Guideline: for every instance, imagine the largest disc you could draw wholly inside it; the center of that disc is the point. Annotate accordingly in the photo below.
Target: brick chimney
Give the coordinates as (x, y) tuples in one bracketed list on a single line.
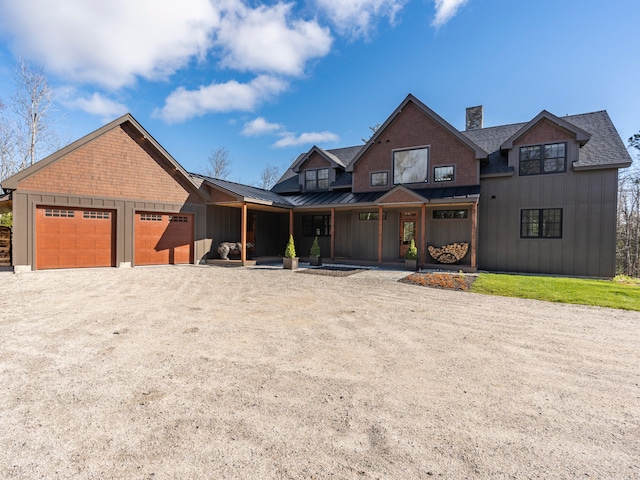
[(474, 118)]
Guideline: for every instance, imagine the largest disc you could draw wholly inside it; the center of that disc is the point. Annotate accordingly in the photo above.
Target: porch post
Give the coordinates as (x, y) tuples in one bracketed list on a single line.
[(243, 234), (290, 222), (423, 235), (380, 234), (333, 236), (474, 233)]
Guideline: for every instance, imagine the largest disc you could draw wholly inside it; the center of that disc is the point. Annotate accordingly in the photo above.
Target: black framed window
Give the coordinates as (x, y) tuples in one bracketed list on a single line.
[(541, 223), (319, 225), (450, 214), (371, 216), (379, 179), (443, 174), (541, 159), (316, 179)]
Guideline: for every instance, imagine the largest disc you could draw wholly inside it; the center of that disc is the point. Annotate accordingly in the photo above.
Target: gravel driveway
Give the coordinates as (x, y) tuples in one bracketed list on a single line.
[(209, 372)]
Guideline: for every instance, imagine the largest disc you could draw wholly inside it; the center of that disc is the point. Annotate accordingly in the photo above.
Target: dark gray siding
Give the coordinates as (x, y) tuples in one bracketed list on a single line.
[(272, 233), (223, 225), (587, 246), (342, 231), (446, 231), (24, 210)]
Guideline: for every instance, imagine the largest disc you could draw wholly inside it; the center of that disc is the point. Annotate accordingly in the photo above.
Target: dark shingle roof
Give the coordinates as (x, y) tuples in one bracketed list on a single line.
[(604, 148), (343, 180)]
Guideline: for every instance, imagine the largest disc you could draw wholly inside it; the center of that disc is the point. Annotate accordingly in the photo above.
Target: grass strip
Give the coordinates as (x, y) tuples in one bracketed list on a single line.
[(601, 293)]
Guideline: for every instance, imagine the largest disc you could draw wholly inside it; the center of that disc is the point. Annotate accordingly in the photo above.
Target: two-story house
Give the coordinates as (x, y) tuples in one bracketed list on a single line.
[(536, 197)]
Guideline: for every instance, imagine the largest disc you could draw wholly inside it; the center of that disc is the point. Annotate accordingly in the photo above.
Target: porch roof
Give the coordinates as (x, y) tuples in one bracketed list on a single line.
[(326, 199), (247, 192)]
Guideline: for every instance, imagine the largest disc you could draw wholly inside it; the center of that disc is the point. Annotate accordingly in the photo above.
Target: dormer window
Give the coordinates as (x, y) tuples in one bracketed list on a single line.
[(316, 179), (411, 165), (541, 159)]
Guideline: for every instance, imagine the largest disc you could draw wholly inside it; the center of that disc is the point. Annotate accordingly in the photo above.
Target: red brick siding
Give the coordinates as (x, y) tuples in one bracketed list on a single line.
[(412, 128), (544, 132), (112, 165)]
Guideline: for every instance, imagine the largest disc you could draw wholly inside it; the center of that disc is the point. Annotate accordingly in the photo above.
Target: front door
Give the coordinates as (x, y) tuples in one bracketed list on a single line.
[(407, 230)]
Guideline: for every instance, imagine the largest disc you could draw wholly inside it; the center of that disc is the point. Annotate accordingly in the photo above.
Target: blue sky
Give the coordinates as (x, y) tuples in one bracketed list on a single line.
[(269, 80)]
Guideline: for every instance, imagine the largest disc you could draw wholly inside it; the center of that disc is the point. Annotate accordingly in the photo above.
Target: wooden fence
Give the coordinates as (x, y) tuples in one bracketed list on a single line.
[(5, 246)]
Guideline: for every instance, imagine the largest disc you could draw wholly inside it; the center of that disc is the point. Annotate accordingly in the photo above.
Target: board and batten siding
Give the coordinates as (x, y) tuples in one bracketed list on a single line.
[(24, 218), (587, 247)]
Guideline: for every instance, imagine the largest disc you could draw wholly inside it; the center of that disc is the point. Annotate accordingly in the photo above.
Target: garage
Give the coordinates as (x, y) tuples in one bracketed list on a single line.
[(162, 238), (74, 237)]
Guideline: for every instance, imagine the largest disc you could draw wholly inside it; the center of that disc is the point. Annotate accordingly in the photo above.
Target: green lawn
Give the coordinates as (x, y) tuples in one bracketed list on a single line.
[(602, 293)]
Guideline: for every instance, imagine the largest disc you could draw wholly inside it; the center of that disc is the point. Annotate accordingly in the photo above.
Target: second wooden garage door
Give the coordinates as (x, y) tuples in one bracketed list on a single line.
[(162, 238)]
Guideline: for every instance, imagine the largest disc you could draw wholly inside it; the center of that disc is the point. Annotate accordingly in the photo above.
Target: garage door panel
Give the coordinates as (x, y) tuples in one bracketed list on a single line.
[(163, 238), (73, 237)]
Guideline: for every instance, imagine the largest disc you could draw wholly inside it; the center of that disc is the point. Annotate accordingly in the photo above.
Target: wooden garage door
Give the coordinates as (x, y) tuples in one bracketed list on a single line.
[(73, 237), (162, 238)]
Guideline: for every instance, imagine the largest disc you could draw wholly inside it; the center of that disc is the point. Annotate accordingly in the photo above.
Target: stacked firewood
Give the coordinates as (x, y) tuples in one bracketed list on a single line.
[(452, 253), (5, 246)]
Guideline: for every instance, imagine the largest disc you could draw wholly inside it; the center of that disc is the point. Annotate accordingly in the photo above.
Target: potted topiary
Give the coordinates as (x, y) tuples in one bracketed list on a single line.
[(411, 257), (290, 261), (314, 254)]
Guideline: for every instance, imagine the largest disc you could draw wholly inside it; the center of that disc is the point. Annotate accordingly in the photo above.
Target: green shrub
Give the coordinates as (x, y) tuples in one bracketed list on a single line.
[(315, 248), (290, 251), (6, 219), (412, 253)]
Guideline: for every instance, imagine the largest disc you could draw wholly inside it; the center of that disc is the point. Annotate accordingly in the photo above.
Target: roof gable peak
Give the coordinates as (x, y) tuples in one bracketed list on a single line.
[(582, 136), (479, 152)]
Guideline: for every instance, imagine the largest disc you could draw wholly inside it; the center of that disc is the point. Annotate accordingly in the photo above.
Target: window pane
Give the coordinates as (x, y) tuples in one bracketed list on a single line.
[(552, 223), (410, 166), (323, 173), (379, 179), (554, 158), (443, 174), (529, 223)]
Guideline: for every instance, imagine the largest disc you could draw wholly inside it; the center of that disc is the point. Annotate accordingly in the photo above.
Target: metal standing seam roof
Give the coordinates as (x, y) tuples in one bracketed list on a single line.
[(323, 199), (246, 191)]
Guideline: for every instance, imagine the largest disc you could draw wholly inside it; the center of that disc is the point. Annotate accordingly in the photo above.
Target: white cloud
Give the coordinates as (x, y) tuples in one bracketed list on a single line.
[(259, 126), (110, 43), (293, 140), (356, 18), (264, 39), (183, 104), (96, 104), (445, 11)]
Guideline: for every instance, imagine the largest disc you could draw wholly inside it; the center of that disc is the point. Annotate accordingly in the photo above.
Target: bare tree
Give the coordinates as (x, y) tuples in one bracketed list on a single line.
[(373, 129), (218, 164), (628, 242), (32, 104), (269, 176), (8, 164)]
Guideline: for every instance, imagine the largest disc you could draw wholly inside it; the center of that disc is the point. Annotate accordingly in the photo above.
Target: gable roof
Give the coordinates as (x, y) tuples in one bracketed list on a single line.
[(582, 137), (479, 152), (605, 148), (11, 183), (288, 182), (333, 160), (246, 193)]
